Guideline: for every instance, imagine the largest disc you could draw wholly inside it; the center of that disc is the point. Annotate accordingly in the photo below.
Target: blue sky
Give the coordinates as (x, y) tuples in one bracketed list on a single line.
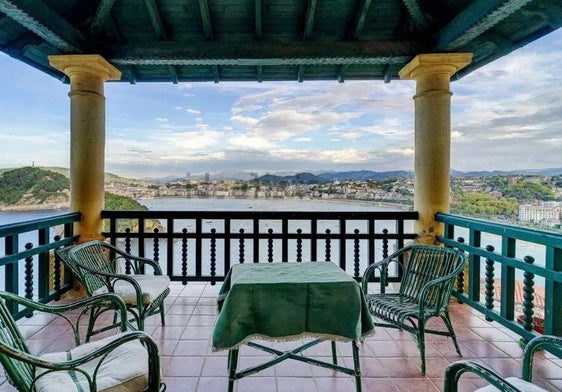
[(506, 115)]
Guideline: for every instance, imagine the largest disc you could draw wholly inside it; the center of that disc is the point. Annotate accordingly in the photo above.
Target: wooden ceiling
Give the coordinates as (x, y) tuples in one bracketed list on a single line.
[(265, 40)]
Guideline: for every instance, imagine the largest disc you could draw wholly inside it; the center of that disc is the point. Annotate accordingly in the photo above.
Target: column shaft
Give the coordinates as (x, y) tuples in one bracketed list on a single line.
[(432, 165), (87, 74)]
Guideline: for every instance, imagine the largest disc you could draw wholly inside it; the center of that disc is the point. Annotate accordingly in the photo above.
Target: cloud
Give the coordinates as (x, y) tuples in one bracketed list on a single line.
[(193, 111)]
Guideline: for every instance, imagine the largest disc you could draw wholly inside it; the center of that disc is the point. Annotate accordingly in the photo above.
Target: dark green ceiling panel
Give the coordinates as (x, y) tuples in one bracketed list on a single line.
[(261, 40)]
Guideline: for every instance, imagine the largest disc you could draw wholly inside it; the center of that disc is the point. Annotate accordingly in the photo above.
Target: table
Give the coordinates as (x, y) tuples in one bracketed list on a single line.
[(289, 301)]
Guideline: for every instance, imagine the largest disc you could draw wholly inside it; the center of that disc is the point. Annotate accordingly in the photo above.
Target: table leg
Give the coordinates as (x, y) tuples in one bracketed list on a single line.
[(357, 366), (334, 354), (232, 364)]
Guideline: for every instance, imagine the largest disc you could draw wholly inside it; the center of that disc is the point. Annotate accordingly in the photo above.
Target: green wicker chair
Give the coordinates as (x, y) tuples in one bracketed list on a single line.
[(497, 383), (425, 289), (94, 366), (102, 268)]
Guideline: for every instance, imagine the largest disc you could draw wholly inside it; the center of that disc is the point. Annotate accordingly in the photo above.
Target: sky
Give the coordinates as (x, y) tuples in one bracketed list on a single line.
[(506, 115)]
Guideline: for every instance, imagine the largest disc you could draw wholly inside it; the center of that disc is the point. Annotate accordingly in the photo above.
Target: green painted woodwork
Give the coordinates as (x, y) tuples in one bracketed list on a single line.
[(266, 40), (508, 263)]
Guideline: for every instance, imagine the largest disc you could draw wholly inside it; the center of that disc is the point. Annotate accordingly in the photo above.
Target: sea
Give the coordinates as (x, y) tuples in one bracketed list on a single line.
[(210, 204)]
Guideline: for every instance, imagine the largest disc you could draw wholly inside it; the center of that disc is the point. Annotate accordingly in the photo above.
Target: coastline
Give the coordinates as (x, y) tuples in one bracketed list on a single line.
[(60, 207)]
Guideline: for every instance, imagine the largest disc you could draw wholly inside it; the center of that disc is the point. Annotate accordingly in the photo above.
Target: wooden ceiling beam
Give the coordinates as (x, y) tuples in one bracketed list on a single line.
[(206, 19), (156, 20), (475, 20), (102, 13), (265, 53), (417, 15), (309, 22), (361, 17), (46, 23), (258, 19)]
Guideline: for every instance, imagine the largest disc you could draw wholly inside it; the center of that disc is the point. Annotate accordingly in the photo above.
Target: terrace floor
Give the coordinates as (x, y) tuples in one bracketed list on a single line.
[(389, 359)]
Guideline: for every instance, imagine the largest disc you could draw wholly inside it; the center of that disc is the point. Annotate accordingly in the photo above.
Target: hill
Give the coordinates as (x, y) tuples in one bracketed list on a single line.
[(33, 188)]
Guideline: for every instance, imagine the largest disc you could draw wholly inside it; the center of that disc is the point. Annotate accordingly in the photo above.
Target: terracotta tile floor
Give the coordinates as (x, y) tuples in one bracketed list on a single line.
[(389, 359)]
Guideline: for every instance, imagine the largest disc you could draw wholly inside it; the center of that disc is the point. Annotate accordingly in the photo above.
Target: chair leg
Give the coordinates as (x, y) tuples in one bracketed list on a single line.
[(421, 344), (449, 325)]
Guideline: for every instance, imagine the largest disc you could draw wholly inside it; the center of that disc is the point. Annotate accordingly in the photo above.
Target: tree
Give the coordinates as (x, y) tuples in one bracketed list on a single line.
[(527, 191)]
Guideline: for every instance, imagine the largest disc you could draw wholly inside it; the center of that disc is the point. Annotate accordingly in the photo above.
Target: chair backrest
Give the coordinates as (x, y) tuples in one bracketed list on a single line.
[(63, 255), (92, 256), (19, 372), (427, 263)]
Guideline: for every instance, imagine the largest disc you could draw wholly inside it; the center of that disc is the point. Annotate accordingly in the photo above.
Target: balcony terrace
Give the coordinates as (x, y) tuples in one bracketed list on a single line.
[(389, 359)]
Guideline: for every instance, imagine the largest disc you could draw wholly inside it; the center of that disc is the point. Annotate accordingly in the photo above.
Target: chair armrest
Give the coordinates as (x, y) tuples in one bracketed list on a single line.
[(137, 263), (540, 342), (381, 265), (146, 340), (454, 371), (108, 300)]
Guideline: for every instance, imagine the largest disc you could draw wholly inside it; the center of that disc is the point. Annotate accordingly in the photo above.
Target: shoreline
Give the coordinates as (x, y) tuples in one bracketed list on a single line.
[(59, 207)]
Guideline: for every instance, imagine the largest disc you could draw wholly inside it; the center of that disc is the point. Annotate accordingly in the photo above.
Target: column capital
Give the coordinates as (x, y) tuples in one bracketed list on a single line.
[(93, 64), (435, 63)]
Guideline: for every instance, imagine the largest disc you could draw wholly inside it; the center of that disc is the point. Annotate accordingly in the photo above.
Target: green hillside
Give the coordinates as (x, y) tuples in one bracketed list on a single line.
[(31, 185), (51, 187)]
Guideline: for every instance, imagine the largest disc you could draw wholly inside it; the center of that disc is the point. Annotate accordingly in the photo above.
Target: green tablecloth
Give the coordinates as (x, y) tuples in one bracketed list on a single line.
[(283, 301)]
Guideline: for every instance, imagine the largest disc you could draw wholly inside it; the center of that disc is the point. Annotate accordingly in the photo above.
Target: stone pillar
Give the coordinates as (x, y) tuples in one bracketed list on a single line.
[(432, 167), (87, 74)]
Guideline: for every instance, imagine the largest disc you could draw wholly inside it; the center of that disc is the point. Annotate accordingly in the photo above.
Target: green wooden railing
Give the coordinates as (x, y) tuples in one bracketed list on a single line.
[(26, 258), (524, 265)]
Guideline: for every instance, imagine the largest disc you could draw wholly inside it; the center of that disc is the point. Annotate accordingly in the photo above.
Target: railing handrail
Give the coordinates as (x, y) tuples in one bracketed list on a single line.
[(509, 263), (36, 256), (254, 232)]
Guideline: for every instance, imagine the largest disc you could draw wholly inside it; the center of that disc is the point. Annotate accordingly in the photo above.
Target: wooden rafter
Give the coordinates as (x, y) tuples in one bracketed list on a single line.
[(309, 22), (46, 23), (206, 19), (361, 17), (416, 14), (156, 20), (476, 19), (102, 13), (258, 19)]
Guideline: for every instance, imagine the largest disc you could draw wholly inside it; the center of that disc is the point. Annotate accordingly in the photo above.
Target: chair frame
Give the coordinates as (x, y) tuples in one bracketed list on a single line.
[(20, 364), (454, 371), (424, 293), (112, 260)]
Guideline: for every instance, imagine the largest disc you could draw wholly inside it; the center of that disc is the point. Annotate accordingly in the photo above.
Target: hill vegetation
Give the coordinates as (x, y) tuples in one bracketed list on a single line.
[(32, 186)]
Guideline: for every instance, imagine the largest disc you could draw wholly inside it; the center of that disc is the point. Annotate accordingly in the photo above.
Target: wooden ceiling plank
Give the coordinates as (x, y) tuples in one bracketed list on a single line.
[(46, 23), (156, 20), (259, 19), (475, 20), (416, 14), (206, 19), (101, 15), (361, 17), (309, 22)]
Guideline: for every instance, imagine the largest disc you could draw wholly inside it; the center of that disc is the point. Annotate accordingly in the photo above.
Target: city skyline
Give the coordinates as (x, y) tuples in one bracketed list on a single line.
[(505, 116)]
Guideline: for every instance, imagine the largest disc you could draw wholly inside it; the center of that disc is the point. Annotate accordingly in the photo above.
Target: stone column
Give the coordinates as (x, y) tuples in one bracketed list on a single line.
[(432, 167), (87, 74)]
